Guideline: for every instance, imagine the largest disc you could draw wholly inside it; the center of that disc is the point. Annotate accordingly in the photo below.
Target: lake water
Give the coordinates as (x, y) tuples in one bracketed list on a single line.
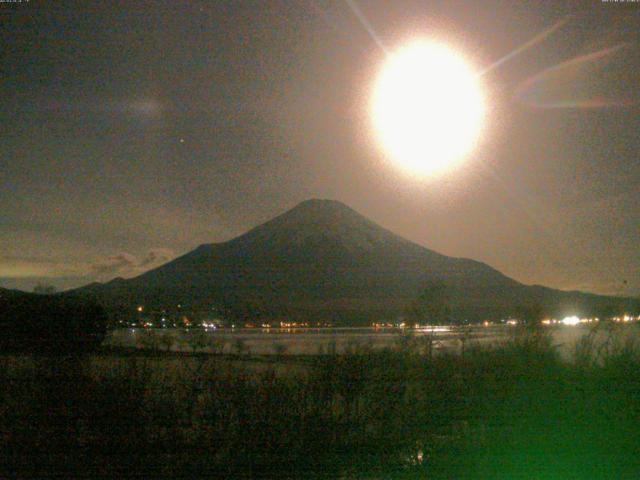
[(313, 341)]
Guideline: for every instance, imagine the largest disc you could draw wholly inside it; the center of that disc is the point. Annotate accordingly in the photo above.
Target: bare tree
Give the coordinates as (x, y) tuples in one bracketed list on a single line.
[(167, 340), (280, 349)]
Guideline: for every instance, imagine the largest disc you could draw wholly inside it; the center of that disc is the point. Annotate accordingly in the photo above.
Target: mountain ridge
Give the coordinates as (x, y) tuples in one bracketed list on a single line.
[(322, 259)]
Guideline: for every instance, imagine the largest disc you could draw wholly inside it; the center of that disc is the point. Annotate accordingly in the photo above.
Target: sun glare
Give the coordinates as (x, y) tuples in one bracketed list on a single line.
[(427, 108)]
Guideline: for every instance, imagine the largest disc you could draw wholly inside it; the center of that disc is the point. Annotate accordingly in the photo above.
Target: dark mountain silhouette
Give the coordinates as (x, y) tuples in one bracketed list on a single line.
[(51, 324), (324, 261), (8, 294)]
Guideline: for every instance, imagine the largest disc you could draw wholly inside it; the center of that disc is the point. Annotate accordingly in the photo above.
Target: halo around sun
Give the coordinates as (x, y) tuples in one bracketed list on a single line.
[(427, 108)]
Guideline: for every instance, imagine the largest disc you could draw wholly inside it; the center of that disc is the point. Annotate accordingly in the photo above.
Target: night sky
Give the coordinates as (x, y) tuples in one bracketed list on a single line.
[(134, 131)]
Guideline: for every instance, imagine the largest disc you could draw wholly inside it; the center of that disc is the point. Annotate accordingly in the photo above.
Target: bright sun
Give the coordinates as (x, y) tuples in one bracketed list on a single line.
[(427, 108)]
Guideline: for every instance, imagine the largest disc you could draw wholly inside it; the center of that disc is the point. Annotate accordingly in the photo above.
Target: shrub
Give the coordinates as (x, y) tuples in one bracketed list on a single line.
[(217, 345), (240, 346), (167, 340), (198, 340), (280, 349), (148, 339)]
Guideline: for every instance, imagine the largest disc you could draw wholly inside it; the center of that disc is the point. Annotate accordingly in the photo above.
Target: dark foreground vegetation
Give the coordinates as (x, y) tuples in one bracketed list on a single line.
[(514, 411)]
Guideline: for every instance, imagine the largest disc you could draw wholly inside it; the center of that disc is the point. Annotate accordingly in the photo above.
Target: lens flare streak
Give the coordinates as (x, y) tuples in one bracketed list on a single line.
[(567, 78), (526, 46), (365, 23)]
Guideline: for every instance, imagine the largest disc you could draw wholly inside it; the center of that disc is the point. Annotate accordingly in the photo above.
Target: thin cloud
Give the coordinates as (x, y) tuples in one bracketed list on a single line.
[(114, 265), (126, 265), (156, 256)]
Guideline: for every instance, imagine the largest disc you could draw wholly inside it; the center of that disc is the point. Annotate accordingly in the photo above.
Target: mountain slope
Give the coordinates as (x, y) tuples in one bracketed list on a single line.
[(323, 260)]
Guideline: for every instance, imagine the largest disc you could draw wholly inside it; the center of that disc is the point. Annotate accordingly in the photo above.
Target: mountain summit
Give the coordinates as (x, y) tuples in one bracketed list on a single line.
[(322, 260)]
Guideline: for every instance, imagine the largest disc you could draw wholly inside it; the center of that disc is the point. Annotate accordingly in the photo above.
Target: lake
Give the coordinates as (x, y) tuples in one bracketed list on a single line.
[(314, 341)]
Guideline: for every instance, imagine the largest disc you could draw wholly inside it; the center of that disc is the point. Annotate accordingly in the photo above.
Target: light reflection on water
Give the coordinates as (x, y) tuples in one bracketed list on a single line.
[(313, 341)]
